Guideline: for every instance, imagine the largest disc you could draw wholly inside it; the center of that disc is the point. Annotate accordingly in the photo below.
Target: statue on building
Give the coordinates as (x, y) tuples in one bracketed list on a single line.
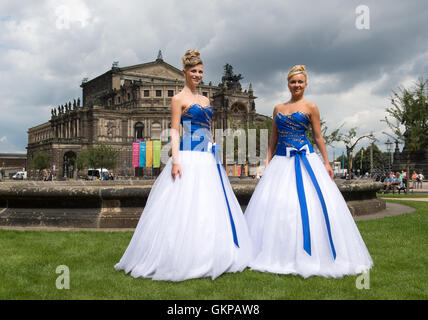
[(159, 58), (231, 80)]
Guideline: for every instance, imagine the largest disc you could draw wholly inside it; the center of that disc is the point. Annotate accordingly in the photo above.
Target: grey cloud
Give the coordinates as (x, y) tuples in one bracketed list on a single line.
[(262, 40)]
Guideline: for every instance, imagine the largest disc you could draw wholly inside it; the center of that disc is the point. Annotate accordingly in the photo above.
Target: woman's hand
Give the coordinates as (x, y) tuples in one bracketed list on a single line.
[(176, 169), (329, 170)]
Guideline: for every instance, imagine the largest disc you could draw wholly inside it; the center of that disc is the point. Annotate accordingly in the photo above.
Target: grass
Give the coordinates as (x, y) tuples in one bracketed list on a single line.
[(402, 195), (28, 260)]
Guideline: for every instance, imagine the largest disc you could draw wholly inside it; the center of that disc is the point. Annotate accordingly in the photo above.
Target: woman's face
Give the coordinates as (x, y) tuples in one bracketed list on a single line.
[(194, 74), (297, 84)]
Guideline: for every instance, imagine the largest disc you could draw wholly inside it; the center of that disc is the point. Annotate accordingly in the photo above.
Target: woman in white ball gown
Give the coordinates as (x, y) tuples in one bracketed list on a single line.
[(298, 219), (192, 225)]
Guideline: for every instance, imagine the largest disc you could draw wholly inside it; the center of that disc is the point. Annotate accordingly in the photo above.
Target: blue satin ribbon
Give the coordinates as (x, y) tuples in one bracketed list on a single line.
[(215, 150), (301, 155)]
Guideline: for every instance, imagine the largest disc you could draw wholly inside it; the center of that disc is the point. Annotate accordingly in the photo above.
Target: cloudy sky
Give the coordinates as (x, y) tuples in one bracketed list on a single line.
[(48, 47)]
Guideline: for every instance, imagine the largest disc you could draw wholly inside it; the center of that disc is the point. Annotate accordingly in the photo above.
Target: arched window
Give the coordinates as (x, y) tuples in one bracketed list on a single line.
[(156, 131), (139, 130), (69, 161)]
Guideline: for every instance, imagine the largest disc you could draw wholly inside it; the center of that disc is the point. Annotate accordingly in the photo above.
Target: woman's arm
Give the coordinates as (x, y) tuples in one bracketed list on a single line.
[(319, 140), (175, 136), (273, 138)]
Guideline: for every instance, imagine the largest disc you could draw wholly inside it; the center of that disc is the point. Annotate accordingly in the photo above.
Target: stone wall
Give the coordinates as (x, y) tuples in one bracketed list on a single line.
[(119, 204)]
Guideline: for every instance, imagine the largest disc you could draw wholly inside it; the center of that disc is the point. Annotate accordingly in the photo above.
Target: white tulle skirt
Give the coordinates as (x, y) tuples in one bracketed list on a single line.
[(275, 224), (184, 231)]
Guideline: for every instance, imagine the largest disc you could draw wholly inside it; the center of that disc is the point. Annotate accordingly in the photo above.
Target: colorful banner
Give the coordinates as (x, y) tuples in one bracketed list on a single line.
[(231, 171), (156, 153), (149, 154), (142, 154), (235, 170), (135, 154)]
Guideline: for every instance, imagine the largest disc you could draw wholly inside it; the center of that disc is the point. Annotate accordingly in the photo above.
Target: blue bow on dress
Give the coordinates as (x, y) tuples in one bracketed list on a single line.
[(300, 155)]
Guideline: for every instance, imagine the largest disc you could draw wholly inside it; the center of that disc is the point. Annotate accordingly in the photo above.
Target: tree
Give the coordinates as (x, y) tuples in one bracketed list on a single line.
[(40, 161), (408, 119), (350, 143), (361, 160), (106, 156), (102, 156), (84, 160), (329, 138), (255, 130)]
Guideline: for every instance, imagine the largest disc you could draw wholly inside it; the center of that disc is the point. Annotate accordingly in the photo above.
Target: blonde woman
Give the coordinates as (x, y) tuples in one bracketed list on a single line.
[(298, 219), (192, 225)]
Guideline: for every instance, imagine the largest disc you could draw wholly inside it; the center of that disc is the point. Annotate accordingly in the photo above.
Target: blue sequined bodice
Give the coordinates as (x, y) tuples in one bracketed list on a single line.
[(196, 122), (292, 131)]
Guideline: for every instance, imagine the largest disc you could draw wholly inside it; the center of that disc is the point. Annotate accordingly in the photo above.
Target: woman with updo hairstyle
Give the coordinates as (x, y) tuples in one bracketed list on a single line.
[(298, 219), (192, 225)]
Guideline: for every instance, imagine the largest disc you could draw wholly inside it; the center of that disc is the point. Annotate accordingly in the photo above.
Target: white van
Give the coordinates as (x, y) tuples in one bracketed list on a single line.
[(20, 175), (94, 174)]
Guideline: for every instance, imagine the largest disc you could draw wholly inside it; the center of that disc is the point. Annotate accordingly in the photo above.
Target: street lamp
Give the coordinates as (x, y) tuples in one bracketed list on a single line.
[(389, 149), (373, 139)]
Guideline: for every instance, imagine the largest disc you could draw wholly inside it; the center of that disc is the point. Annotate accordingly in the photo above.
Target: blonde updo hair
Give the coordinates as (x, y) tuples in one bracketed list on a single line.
[(296, 70), (191, 58)]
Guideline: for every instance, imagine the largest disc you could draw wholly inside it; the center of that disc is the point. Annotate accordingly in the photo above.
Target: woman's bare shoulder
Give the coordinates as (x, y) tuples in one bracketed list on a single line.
[(278, 108), (178, 100), (206, 101)]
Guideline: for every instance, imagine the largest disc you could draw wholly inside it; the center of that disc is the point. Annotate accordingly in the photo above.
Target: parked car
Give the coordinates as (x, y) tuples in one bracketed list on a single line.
[(20, 175), (94, 174)]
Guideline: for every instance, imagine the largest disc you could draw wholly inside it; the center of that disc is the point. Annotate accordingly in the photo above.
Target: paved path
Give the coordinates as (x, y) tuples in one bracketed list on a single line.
[(410, 199), (392, 209)]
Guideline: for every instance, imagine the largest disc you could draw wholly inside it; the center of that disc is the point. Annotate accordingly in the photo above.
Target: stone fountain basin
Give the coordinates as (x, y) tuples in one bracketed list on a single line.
[(119, 203)]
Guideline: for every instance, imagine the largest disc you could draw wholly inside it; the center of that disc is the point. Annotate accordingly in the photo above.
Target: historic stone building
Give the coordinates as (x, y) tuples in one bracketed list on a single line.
[(128, 104), (10, 163)]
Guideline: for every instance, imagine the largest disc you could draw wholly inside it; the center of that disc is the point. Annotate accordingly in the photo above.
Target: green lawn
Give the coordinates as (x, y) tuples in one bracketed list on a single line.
[(28, 261), (403, 195)]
